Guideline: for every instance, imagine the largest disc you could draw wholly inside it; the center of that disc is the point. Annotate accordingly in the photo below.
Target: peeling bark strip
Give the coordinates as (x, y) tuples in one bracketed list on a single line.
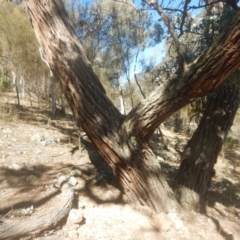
[(45, 222), (123, 141)]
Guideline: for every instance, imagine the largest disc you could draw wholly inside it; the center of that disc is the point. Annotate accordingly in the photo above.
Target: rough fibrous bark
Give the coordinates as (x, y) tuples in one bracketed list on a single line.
[(201, 152), (123, 140)]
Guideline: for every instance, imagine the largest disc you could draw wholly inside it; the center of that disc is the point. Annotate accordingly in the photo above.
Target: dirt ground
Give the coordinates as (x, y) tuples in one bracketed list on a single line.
[(35, 150)]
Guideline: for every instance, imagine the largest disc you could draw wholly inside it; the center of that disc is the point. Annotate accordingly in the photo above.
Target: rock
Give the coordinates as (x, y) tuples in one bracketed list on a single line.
[(162, 222), (29, 167), (72, 234), (81, 184), (75, 217), (160, 159), (176, 220), (16, 182), (5, 155), (168, 155), (74, 226), (72, 181), (15, 167), (99, 178), (37, 137), (7, 132), (38, 152), (32, 179), (26, 211), (147, 211), (81, 205), (75, 172), (56, 140), (50, 140)]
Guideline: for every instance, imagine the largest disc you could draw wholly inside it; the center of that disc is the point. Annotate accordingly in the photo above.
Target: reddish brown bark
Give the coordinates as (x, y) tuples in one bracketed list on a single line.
[(123, 141)]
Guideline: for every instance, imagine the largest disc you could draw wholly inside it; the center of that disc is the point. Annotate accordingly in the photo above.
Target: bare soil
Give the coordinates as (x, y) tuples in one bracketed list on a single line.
[(35, 150)]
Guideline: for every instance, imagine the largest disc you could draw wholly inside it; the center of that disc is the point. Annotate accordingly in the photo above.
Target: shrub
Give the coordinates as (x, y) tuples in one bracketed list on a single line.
[(5, 84), (231, 142)]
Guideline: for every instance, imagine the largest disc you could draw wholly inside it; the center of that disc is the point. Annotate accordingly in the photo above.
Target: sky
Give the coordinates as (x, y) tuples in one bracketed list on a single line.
[(158, 52)]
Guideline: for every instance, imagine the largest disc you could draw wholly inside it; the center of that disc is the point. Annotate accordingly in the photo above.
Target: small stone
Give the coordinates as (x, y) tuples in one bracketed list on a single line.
[(38, 152), (81, 184), (75, 172), (7, 132), (99, 178), (44, 143), (72, 234), (162, 222), (72, 181), (32, 179), (29, 167), (37, 138), (74, 226), (75, 217), (26, 211), (81, 205), (160, 159), (15, 181), (5, 155), (147, 211), (15, 167)]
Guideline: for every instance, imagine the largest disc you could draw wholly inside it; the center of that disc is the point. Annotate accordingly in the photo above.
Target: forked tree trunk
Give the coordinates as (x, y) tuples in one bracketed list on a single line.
[(202, 150), (123, 140), (15, 84)]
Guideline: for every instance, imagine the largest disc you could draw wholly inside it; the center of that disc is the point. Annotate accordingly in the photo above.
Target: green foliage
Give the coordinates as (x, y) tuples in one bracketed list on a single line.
[(157, 34), (5, 84), (19, 54), (114, 32), (231, 142), (211, 26)]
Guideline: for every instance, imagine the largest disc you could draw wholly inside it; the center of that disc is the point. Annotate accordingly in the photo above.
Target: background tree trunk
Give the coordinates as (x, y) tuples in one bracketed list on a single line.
[(52, 91), (202, 150)]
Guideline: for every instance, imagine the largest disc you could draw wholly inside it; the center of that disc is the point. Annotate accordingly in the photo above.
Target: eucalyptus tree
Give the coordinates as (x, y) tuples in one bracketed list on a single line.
[(122, 140), (18, 50)]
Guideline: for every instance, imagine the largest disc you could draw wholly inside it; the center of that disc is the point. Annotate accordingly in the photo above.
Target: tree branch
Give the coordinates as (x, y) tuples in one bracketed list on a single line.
[(167, 22), (204, 75), (184, 15), (205, 5)]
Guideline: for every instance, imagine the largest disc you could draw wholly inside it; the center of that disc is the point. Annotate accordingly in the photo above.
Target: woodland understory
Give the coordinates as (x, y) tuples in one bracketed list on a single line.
[(199, 76)]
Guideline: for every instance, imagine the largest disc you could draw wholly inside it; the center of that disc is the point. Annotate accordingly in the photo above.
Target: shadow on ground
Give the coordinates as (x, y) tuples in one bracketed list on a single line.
[(35, 185), (96, 173)]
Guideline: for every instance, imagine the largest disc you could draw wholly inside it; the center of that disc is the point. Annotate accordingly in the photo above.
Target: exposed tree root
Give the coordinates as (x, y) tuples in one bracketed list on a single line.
[(45, 222)]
